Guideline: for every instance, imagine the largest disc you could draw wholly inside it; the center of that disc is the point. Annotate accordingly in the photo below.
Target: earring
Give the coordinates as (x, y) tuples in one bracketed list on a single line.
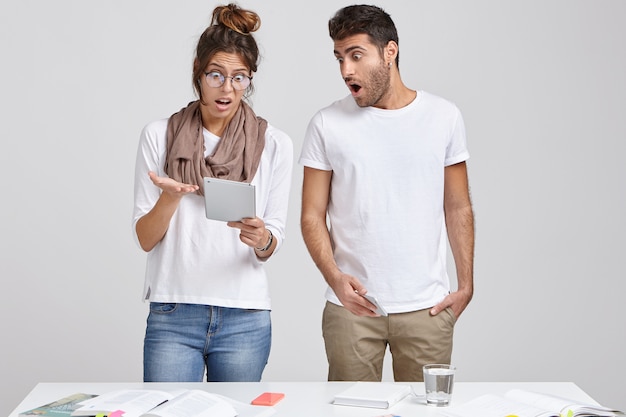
[(390, 65)]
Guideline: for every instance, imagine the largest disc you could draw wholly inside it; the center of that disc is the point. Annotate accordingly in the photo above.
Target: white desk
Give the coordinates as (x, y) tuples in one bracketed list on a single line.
[(305, 399)]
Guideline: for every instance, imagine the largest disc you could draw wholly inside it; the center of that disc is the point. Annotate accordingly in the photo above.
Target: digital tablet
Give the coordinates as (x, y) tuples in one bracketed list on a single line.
[(227, 200)]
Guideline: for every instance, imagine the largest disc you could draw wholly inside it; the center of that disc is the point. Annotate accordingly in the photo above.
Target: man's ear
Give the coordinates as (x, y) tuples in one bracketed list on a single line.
[(391, 51)]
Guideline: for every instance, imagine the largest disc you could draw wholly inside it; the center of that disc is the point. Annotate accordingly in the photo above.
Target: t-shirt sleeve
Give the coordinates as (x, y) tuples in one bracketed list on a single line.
[(275, 213), (457, 151), (313, 154), (148, 158)]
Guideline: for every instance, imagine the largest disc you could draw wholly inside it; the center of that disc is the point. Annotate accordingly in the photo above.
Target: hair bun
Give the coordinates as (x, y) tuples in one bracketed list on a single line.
[(233, 17)]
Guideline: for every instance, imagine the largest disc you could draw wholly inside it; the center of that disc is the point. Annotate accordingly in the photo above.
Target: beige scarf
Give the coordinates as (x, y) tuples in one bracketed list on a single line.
[(236, 156)]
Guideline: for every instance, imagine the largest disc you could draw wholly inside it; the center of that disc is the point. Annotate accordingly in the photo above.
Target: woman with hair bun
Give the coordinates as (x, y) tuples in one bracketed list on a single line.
[(205, 280)]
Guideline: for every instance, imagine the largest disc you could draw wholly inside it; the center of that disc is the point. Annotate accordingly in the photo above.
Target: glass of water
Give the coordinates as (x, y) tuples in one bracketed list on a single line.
[(438, 381)]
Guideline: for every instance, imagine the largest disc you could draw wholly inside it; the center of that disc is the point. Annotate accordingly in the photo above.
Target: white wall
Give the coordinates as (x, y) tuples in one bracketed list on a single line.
[(541, 85)]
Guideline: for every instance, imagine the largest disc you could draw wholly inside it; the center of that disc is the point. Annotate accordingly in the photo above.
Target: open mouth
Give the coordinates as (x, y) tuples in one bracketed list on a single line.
[(352, 85), (223, 101)]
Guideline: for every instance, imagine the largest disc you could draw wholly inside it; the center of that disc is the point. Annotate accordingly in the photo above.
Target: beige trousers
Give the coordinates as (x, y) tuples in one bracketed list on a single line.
[(355, 346)]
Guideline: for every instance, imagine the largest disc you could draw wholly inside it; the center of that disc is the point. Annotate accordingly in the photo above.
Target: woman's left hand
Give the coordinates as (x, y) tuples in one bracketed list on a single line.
[(252, 232)]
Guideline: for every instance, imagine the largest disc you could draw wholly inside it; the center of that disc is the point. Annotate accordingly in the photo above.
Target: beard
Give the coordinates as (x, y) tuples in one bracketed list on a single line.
[(376, 86)]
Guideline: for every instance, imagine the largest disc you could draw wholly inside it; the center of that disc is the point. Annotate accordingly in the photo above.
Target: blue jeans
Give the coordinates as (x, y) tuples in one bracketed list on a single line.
[(183, 339)]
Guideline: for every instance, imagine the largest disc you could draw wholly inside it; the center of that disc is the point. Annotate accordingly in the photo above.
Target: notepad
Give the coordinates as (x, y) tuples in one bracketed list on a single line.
[(372, 394), (227, 200)]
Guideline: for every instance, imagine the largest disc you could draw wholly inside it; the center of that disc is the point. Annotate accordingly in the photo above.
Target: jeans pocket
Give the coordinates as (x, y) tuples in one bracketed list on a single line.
[(162, 308)]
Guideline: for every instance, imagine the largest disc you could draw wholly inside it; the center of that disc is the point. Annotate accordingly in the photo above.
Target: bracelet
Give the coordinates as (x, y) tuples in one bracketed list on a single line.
[(269, 243)]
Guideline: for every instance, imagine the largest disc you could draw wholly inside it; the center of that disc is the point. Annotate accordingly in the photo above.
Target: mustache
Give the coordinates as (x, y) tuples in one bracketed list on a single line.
[(351, 81)]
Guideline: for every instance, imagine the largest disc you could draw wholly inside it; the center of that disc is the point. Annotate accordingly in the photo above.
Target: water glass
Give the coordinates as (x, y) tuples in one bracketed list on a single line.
[(438, 381)]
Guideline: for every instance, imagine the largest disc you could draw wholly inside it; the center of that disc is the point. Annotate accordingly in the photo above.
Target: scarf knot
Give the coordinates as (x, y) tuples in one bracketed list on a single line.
[(236, 156)]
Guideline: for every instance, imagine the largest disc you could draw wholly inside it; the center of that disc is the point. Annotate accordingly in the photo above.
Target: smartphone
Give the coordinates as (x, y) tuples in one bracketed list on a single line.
[(379, 309)]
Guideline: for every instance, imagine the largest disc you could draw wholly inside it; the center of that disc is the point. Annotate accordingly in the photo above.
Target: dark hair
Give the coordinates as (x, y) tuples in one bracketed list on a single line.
[(231, 32), (370, 20)]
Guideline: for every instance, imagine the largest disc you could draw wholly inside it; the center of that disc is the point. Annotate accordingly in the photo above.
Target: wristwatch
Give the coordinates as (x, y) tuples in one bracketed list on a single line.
[(269, 243)]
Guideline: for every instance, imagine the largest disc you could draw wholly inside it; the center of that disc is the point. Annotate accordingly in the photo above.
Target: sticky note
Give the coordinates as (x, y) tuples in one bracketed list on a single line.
[(268, 398)]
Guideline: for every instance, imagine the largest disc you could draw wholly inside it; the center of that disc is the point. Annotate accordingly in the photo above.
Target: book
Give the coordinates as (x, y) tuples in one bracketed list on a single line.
[(181, 403), (521, 403), (372, 394), (59, 408)]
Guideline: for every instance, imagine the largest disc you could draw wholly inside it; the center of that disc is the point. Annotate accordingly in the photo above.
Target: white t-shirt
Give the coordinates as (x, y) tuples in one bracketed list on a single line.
[(385, 212), (201, 261)]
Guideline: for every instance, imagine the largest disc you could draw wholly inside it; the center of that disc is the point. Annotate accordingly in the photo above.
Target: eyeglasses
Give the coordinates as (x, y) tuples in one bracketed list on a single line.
[(216, 79)]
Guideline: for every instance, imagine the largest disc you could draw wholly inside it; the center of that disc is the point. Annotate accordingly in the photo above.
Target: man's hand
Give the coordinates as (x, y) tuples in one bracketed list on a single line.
[(457, 301), (349, 290)]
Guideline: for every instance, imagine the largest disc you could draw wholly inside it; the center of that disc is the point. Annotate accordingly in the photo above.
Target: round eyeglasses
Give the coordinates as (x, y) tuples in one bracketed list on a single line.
[(216, 79)]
